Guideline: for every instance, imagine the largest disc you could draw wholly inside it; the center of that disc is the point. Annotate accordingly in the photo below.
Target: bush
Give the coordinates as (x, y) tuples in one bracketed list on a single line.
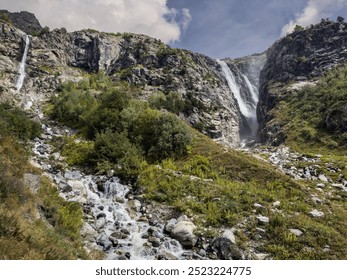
[(161, 135), (16, 123)]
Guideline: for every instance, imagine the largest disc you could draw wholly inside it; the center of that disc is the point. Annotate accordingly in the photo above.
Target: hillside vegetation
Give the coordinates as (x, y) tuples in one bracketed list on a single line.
[(314, 118), (33, 224), (175, 165)]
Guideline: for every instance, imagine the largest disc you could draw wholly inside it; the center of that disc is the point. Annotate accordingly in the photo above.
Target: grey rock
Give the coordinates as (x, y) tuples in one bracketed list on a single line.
[(225, 249), (154, 241), (170, 225), (183, 232)]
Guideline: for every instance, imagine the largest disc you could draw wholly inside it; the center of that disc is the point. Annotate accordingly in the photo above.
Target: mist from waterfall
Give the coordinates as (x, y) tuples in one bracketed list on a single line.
[(22, 73), (247, 102)]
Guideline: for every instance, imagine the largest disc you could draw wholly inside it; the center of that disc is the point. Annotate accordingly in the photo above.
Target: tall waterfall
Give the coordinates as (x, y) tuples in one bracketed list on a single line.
[(246, 95), (21, 77)]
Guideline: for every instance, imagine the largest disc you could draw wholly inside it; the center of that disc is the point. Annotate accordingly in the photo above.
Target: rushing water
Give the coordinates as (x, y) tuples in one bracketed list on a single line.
[(21, 77), (112, 215)]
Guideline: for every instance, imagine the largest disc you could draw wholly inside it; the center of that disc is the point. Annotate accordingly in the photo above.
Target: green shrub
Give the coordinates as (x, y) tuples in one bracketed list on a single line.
[(16, 123)]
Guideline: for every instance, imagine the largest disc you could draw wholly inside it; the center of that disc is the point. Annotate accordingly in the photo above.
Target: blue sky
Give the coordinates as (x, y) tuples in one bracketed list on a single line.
[(234, 28), (217, 28)]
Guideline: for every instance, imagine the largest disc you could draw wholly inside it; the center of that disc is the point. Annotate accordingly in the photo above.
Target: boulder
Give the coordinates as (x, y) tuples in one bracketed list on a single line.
[(225, 249), (183, 232)]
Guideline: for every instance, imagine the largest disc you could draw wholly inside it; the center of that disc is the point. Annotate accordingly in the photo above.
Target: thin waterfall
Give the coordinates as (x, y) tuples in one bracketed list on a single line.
[(22, 74), (253, 90), (247, 103)]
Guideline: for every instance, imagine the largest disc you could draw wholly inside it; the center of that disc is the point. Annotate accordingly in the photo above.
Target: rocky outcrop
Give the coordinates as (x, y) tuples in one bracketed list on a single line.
[(23, 20), (300, 56), (143, 61)]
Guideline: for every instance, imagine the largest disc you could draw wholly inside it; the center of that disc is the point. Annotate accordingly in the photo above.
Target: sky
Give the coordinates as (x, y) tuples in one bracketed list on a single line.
[(217, 28)]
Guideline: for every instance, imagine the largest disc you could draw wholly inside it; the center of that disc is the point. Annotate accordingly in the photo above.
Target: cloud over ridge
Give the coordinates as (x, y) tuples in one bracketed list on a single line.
[(150, 17), (314, 11)]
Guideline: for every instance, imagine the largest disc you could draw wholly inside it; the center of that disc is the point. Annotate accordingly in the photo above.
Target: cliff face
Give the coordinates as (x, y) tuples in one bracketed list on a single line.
[(143, 61), (23, 20), (301, 56)]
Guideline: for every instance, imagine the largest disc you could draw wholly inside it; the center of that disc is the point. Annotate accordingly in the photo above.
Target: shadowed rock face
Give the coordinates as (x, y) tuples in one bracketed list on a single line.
[(300, 56), (24, 20)]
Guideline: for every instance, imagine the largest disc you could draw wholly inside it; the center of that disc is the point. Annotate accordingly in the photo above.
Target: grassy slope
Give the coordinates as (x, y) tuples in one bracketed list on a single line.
[(240, 181), (23, 233)]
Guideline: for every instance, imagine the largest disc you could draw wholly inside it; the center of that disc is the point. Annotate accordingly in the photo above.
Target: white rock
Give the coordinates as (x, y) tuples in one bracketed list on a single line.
[(276, 203), (263, 219), (229, 234), (257, 205), (296, 232), (78, 187), (322, 178), (317, 214)]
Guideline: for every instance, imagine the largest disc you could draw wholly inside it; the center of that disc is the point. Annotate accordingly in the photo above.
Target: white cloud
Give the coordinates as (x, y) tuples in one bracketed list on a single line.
[(150, 17), (314, 11)]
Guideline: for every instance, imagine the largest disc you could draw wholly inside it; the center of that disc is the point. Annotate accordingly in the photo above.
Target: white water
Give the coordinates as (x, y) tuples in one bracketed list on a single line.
[(21, 77), (253, 90), (244, 106), (247, 106)]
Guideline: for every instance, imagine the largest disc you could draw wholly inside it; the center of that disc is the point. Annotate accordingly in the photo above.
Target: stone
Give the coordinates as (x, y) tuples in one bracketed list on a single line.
[(170, 225), (338, 186), (202, 253), (154, 241), (229, 234), (87, 231), (182, 218), (135, 205), (320, 185), (257, 205), (73, 175), (263, 220), (100, 223), (78, 187), (296, 232), (100, 215), (276, 204), (225, 249), (317, 214), (323, 178), (164, 255), (118, 235), (32, 181), (183, 232)]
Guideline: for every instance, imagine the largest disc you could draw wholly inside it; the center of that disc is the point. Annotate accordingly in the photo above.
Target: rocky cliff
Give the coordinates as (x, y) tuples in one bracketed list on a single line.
[(298, 58), (23, 20), (143, 61)]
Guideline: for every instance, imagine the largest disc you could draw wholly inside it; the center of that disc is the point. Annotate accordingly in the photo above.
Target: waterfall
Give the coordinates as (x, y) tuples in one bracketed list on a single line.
[(235, 89), (253, 90), (247, 98), (21, 77)]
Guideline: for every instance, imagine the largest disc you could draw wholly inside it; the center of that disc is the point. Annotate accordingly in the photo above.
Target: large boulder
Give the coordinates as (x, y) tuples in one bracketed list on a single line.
[(184, 232)]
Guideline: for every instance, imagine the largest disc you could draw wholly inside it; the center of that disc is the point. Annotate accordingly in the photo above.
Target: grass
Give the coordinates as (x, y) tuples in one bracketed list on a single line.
[(222, 194), (33, 225)]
